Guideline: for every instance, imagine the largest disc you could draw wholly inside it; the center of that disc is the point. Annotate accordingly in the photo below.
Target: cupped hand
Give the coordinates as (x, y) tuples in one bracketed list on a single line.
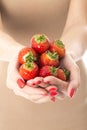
[(29, 90), (66, 88)]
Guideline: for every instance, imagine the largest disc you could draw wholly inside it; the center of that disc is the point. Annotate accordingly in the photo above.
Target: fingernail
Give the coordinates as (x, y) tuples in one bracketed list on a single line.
[(33, 84), (72, 92), (52, 89), (20, 83), (53, 93), (38, 82)]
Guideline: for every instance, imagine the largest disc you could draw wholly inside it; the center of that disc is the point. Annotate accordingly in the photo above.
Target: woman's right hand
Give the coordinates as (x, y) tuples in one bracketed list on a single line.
[(28, 90)]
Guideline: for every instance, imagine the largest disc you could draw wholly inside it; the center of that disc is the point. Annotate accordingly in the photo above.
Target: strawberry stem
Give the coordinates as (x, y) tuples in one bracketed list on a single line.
[(53, 70), (67, 73), (40, 38), (30, 57), (59, 43), (53, 55), (29, 65)]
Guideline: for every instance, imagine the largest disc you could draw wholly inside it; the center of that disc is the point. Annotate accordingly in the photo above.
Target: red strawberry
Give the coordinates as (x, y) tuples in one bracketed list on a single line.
[(47, 71), (40, 43), (28, 70), (63, 74), (53, 71), (58, 46), (27, 54), (49, 58)]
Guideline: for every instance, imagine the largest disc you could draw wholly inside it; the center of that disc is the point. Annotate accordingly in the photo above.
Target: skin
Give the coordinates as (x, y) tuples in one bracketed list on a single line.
[(74, 35)]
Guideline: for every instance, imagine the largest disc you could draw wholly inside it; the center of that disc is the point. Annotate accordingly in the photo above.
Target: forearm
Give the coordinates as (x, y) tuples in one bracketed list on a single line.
[(8, 47), (75, 31), (75, 40), (76, 14)]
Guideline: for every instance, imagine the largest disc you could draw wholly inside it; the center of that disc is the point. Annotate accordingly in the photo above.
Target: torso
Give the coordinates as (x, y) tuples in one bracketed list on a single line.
[(21, 19)]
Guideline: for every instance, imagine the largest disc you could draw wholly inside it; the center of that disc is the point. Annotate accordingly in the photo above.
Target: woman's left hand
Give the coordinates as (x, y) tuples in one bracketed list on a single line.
[(66, 88)]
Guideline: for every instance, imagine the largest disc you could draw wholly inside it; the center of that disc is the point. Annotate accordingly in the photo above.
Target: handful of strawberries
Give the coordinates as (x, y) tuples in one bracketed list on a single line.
[(42, 59)]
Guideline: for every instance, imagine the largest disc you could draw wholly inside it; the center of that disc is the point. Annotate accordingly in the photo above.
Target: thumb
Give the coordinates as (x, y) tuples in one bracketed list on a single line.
[(72, 88)]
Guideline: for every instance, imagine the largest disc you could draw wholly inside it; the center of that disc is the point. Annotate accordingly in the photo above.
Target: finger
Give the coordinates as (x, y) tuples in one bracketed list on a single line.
[(43, 100), (30, 90), (53, 92), (22, 94), (73, 86), (68, 62), (55, 81), (51, 88), (37, 97), (43, 85), (38, 81), (33, 98), (31, 83), (60, 96)]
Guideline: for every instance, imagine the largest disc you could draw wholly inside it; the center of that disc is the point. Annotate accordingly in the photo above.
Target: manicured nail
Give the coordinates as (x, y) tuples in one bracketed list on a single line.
[(72, 92), (33, 84), (38, 82), (20, 83), (53, 93), (53, 89)]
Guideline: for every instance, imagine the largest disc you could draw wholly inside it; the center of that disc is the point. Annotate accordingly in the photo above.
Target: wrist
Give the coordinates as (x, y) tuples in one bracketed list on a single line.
[(73, 56)]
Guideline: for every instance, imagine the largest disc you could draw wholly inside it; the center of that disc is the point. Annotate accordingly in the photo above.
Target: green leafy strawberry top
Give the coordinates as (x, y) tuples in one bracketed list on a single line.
[(59, 43), (29, 65), (53, 55), (53, 70), (40, 38), (29, 57), (67, 73)]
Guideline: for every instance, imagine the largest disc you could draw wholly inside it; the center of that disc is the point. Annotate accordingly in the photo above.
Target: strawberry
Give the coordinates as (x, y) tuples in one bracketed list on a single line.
[(47, 71), (58, 46), (63, 74), (67, 73), (40, 43), (28, 70), (49, 58), (27, 55)]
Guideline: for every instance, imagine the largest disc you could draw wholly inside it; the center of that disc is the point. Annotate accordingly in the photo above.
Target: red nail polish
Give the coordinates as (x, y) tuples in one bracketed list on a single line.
[(33, 84), (38, 82), (52, 89), (53, 93), (72, 92), (20, 83)]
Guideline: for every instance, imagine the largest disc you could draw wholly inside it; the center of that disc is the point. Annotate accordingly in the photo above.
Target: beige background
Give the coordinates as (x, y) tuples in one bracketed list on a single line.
[(17, 113)]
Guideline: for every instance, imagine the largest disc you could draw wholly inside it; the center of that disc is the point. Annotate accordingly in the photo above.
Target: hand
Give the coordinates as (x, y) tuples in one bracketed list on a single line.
[(36, 95), (66, 88), (74, 82)]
